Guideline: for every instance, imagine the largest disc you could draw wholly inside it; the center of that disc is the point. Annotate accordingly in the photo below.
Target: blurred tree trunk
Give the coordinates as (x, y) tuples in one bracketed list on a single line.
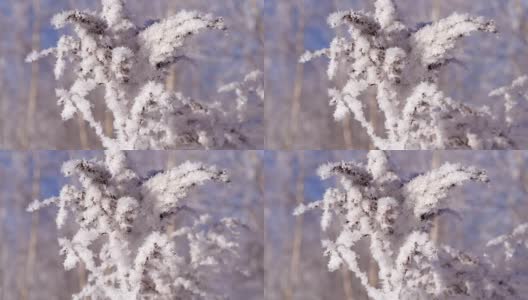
[(298, 233), (257, 214), (435, 10), (522, 19), (171, 159), (3, 99), (81, 273), (259, 181), (34, 80), (170, 82), (259, 33), (347, 283), (298, 83), (347, 132), (519, 62), (108, 125), (373, 118), (373, 272), (4, 249), (4, 111), (83, 136), (33, 236), (3, 94)]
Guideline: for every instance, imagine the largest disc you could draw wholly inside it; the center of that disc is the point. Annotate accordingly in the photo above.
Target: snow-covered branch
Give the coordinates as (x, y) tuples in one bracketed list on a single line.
[(123, 237), (402, 64), (513, 94), (130, 63), (395, 216)]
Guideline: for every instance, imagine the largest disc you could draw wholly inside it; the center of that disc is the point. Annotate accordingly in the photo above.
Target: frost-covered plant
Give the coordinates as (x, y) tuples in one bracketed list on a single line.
[(130, 63), (395, 216), (514, 94), (123, 238), (401, 64), (249, 104), (509, 256)]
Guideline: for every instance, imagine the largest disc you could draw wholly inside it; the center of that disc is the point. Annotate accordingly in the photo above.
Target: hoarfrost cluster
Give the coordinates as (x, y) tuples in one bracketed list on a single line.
[(127, 237), (247, 105), (130, 63), (516, 101), (401, 64), (395, 216)]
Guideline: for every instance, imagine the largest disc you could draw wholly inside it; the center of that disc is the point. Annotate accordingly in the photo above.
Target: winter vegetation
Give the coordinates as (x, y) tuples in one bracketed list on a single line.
[(127, 232), (248, 106), (378, 60), (126, 217), (251, 74), (396, 216), (130, 64), (295, 267), (402, 63), (513, 94), (198, 58)]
